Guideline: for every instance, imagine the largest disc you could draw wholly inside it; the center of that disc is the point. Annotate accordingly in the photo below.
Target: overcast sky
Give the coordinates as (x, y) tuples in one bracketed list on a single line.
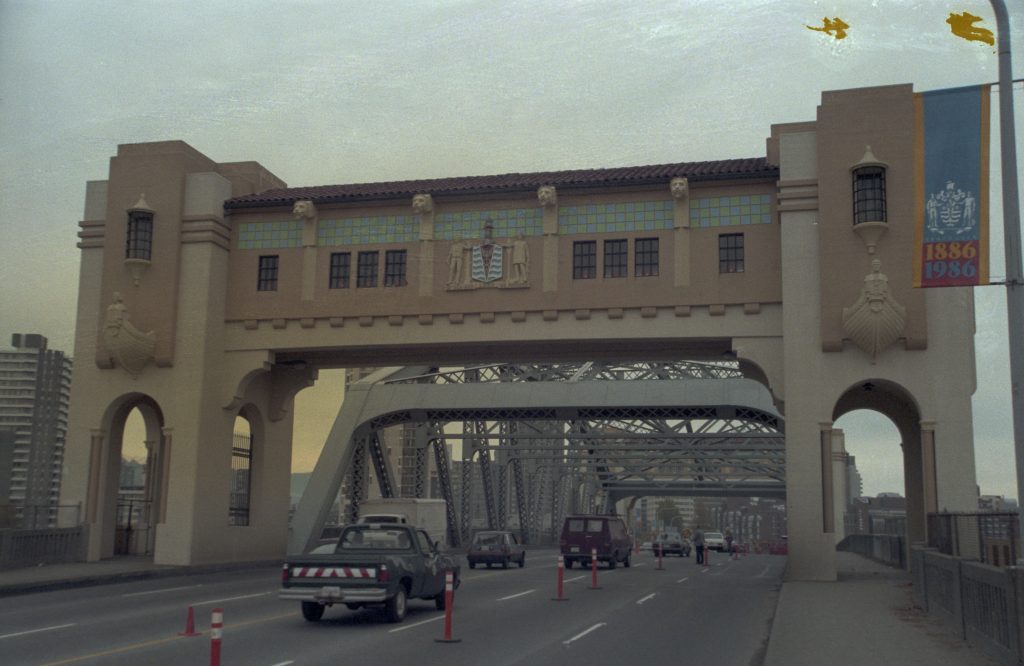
[(341, 92)]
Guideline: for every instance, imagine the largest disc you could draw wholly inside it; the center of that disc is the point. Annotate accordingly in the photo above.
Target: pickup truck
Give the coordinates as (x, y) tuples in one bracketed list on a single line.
[(370, 564)]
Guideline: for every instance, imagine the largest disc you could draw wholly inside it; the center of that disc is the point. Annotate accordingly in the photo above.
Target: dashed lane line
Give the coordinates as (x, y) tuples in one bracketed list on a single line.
[(416, 624), (584, 633), (36, 631), (161, 591), (647, 598), (513, 596), (220, 601)]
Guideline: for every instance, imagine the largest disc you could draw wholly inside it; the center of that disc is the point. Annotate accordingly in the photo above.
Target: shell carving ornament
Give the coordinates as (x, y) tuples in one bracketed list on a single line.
[(876, 321)]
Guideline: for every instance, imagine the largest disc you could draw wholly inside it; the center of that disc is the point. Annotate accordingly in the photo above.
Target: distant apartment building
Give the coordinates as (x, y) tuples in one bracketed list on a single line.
[(35, 385)]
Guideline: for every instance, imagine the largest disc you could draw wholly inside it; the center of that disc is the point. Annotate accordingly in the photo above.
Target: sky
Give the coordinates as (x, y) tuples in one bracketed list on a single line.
[(343, 92)]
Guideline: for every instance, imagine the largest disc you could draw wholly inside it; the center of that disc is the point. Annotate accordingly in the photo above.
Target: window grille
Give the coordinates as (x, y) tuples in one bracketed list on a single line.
[(646, 257), (869, 194), (584, 260), (268, 273), (366, 275), (394, 268), (340, 266), (730, 253), (615, 253), (140, 235), (241, 468)]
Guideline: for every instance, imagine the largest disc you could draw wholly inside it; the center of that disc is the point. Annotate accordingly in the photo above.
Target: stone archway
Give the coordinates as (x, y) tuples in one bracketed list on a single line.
[(917, 442), (117, 528)]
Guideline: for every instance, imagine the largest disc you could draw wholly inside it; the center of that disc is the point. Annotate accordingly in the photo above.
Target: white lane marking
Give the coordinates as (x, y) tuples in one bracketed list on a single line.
[(647, 598), (642, 564), (36, 631), (584, 633), (513, 596), (569, 580), (761, 575), (166, 589), (218, 601), (705, 570), (410, 626), (283, 663), (682, 580)]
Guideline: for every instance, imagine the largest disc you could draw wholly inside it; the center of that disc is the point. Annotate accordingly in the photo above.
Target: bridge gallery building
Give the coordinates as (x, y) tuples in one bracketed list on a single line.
[(213, 291)]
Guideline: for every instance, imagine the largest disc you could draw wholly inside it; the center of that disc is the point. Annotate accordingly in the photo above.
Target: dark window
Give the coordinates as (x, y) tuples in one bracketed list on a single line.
[(615, 253), (268, 273), (584, 260), (241, 463), (730, 253), (869, 194), (394, 268), (646, 257), (140, 235), (367, 269), (340, 265)]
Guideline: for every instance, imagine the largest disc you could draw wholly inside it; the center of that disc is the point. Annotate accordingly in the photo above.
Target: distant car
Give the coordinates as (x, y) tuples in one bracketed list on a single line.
[(714, 541), (496, 547), (670, 543)]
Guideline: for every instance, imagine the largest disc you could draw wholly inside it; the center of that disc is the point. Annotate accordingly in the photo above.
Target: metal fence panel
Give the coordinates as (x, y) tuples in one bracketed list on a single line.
[(988, 614), (987, 537)]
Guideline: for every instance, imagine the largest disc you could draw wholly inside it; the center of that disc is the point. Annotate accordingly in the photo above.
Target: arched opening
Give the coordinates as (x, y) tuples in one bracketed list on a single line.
[(131, 493), (883, 465), (240, 503), (868, 475)]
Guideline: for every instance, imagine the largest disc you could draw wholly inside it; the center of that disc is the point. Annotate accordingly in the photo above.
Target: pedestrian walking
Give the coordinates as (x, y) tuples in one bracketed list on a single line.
[(728, 541), (698, 544)]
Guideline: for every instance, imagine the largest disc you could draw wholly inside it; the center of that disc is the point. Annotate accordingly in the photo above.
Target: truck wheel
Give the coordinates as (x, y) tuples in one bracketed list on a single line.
[(522, 560), (312, 611), (395, 607)]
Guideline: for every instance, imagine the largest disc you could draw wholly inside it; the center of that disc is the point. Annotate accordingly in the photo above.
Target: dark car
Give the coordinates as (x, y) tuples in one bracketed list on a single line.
[(496, 547), (605, 536), (671, 543)]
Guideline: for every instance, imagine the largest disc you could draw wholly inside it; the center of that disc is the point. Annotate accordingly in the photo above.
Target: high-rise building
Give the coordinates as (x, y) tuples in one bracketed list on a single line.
[(35, 385)]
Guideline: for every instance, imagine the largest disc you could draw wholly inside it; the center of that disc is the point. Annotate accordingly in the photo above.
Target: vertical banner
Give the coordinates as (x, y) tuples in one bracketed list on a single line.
[(951, 187)]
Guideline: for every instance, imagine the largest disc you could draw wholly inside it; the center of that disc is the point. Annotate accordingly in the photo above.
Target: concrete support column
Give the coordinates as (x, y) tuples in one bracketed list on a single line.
[(825, 451), (92, 498), (928, 477)]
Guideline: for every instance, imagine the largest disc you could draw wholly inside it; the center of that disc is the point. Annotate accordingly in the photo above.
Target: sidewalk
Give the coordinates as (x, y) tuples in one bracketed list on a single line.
[(47, 577), (866, 617)]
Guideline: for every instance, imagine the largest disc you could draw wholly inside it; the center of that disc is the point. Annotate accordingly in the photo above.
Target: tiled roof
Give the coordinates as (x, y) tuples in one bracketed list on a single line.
[(756, 167)]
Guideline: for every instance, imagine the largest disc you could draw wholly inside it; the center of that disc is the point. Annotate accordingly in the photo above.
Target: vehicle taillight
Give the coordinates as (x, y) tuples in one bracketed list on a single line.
[(285, 574), (383, 575)]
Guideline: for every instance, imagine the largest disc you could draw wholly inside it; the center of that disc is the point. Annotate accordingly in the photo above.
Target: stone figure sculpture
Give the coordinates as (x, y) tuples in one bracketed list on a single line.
[(127, 345)]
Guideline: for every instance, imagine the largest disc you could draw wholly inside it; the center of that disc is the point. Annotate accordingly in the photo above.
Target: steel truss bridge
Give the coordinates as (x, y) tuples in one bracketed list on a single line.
[(542, 441)]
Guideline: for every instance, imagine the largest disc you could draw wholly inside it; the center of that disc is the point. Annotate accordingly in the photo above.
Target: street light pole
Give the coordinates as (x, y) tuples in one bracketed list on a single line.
[(1011, 231)]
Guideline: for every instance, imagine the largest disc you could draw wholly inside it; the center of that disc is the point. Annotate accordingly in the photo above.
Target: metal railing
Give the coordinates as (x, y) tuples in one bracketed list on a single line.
[(18, 515), (884, 548), (992, 538)]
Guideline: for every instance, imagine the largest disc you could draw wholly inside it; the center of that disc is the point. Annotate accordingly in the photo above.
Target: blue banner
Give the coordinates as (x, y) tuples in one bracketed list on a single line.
[(952, 146)]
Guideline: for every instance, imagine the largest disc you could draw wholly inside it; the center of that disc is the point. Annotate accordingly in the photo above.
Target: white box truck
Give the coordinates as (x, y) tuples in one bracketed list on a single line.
[(428, 514)]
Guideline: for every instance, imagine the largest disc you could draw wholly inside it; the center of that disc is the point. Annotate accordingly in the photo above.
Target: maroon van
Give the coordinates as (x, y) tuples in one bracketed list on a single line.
[(606, 535)]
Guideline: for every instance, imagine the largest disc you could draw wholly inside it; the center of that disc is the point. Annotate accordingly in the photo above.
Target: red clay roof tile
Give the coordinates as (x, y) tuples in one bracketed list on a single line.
[(757, 167)]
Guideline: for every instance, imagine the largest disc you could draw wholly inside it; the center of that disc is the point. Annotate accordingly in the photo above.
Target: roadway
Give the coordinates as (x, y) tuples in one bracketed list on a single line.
[(716, 614)]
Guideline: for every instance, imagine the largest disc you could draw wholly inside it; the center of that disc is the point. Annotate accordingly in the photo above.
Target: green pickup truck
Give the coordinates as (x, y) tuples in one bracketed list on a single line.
[(370, 564)]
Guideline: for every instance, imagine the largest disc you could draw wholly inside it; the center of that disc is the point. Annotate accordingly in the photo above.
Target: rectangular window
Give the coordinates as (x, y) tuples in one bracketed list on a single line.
[(340, 266), (615, 253), (241, 462), (140, 236), (584, 260), (730, 253), (394, 268), (268, 273), (366, 275), (646, 260)]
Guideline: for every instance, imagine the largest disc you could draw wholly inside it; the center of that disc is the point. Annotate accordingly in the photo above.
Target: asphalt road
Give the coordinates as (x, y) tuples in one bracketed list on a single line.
[(684, 612)]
